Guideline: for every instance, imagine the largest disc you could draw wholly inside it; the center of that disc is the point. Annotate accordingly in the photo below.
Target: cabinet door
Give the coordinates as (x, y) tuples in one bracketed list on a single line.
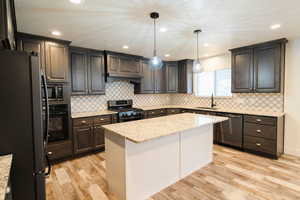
[(267, 68), (113, 64), (172, 77), (32, 45), (231, 131), (56, 62), (78, 72), (185, 76), (99, 135), (147, 81), (160, 80), (242, 71), (96, 73), (83, 139), (129, 65)]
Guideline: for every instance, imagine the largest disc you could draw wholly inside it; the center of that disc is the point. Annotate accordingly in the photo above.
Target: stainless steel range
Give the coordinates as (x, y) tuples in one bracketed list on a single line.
[(125, 110)]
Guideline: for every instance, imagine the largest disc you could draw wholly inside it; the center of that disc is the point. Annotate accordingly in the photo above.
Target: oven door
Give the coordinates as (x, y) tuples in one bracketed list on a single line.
[(58, 124)]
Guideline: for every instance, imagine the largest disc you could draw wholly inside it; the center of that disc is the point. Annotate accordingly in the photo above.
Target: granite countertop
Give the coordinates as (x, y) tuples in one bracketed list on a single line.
[(5, 164), (224, 110), (148, 129), (92, 114)]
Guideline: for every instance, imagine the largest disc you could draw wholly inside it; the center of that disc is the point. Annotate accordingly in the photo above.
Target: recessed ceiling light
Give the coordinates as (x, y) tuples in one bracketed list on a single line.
[(167, 55), (205, 44), (75, 1), (163, 29), (275, 26), (125, 47), (56, 33)]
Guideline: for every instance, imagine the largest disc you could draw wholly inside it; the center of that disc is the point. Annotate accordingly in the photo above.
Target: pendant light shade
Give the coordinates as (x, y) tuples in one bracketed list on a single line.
[(197, 65), (155, 61)]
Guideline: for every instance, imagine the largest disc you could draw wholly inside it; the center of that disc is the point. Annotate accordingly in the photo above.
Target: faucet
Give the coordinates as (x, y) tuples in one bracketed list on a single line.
[(212, 104)]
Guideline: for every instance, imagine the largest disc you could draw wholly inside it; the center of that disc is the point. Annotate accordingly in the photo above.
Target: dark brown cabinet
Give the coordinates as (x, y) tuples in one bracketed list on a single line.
[(33, 45), (242, 71), (53, 54), (8, 25), (160, 80), (185, 76), (57, 62), (147, 81), (258, 68), (231, 131), (87, 71), (264, 135), (123, 65), (172, 77), (89, 133), (83, 139), (173, 111), (155, 113)]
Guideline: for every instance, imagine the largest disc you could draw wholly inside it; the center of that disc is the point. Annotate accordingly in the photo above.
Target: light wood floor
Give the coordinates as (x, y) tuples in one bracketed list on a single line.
[(233, 175)]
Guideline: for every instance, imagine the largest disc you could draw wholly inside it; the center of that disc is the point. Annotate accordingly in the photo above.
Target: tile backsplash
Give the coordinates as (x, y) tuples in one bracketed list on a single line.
[(115, 91), (124, 90)]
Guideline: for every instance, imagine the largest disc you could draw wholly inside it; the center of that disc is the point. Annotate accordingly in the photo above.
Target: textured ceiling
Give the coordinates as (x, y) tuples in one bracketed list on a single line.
[(110, 24)]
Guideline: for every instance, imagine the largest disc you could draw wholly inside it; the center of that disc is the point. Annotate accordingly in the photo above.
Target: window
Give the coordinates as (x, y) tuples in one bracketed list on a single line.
[(214, 82)]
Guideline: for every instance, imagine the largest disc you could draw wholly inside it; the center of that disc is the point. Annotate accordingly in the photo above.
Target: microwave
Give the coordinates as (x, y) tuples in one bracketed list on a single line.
[(57, 93)]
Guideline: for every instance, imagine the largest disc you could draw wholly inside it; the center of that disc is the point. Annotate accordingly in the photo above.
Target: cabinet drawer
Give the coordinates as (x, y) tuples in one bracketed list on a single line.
[(172, 111), (260, 144), (105, 119), (60, 150), (83, 122), (156, 112), (261, 120), (258, 130)]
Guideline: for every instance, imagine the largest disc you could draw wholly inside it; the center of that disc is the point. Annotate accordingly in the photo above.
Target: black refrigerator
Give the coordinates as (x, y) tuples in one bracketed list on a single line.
[(24, 123)]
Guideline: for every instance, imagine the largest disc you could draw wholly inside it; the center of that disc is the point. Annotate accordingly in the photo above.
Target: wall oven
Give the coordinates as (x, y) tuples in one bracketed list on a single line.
[(58, 123)]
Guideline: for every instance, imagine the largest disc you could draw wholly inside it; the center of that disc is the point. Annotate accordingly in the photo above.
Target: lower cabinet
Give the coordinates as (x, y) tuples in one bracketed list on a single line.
[(155, 113), (173, 111), (60, 150), (88, 133)]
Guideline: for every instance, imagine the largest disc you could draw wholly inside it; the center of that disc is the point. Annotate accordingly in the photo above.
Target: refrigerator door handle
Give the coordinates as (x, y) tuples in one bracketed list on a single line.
[(44, 82)]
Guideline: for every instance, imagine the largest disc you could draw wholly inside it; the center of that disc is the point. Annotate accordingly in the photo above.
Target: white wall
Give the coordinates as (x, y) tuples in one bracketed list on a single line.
[(292, 98)]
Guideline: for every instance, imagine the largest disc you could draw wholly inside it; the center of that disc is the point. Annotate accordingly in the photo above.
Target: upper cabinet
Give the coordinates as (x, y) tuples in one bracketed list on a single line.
[(160, 80), (7, 24), (53, 54), (259, 68), (147, 81), (185, 76), (123, 65), (87, 71), (172, 77), (57, 62)]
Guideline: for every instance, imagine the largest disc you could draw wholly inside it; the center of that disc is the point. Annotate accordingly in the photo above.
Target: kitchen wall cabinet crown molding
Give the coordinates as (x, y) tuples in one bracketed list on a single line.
[(259, 68), (87, 71)]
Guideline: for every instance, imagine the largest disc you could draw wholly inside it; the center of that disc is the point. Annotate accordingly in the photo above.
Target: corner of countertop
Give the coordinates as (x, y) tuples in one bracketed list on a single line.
[(5, 167)]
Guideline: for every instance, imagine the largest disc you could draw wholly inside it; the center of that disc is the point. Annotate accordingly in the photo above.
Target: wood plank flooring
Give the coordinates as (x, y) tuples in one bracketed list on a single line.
[(233, 175)]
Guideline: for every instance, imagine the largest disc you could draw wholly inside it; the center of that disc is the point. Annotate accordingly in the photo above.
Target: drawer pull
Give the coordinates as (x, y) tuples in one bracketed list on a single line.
[(152, 112), (50, 153), (258, 131), (258, 120), (258, 144), (83, 122), (102, 119)]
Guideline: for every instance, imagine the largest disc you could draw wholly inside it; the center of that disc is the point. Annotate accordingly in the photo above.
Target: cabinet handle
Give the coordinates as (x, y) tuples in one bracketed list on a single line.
[(50, 153), (102, 119), (162, 111), (258, 131), (258, 144), (152, 112), (258, 120), (8, 190), (83, 122)]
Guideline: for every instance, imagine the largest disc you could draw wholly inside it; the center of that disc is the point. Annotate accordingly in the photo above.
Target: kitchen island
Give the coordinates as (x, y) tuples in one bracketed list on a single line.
[(145, 156)]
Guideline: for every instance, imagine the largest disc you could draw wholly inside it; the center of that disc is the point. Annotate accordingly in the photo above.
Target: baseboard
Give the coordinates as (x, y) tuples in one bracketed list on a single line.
[(293, 152)]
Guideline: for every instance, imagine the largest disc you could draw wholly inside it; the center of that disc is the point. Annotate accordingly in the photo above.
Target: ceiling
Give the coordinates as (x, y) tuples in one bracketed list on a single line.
[(110, 24)]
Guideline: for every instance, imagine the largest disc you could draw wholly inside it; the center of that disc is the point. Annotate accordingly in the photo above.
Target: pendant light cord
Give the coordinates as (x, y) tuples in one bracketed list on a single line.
[(198, 46), (154, 52)]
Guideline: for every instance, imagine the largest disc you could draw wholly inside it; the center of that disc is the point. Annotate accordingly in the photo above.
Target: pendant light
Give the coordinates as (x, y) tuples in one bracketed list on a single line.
[(197, 65), (155, 61)]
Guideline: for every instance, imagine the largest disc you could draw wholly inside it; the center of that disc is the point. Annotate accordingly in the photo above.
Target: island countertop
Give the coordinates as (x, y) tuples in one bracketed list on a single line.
[(148, 129), (5, 165)]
